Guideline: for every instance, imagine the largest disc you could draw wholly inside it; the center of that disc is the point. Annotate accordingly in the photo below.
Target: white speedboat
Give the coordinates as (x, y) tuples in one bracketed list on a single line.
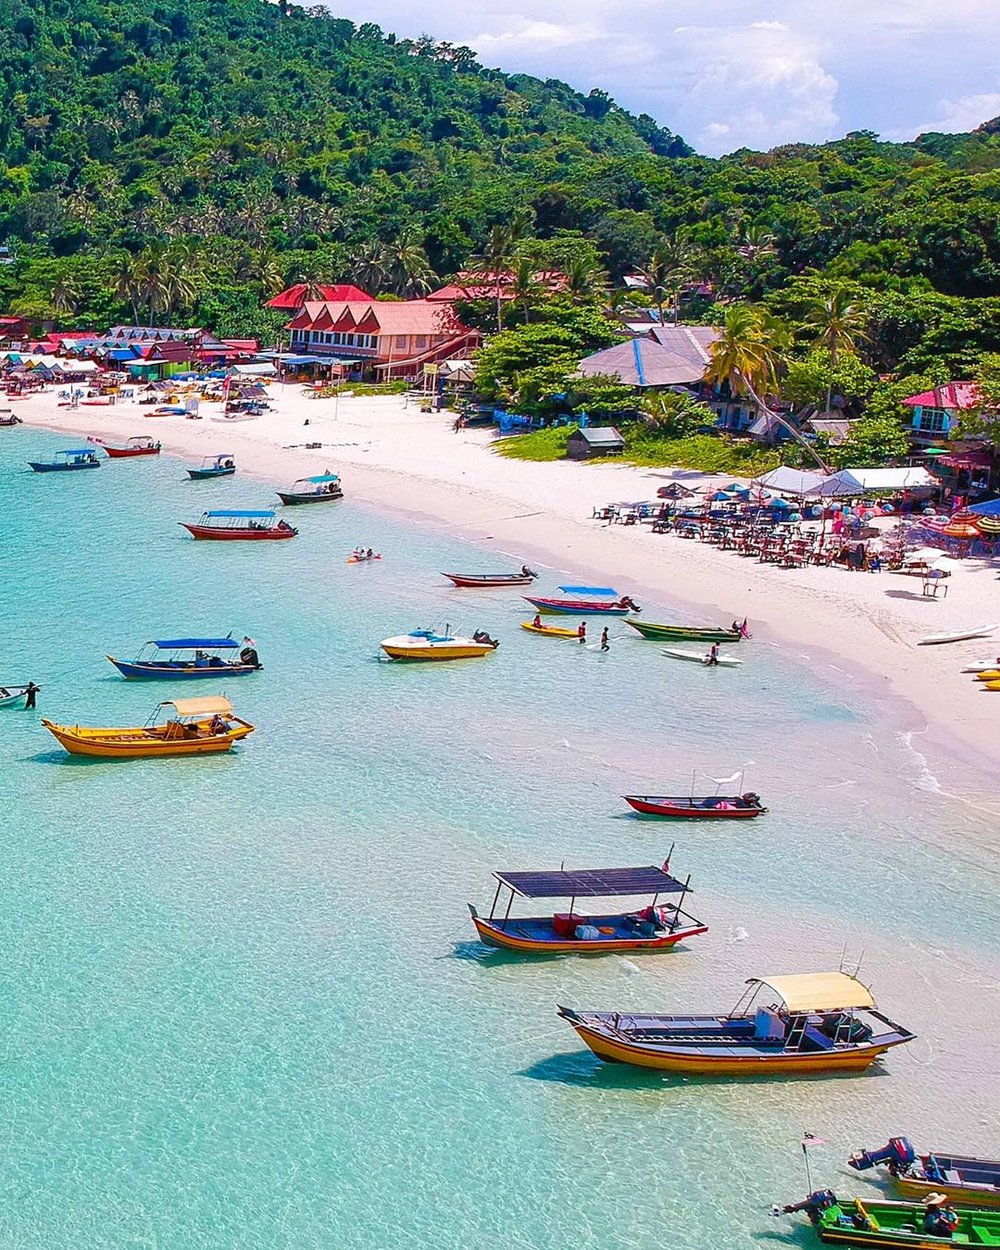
[(960, 635), (701, 657)]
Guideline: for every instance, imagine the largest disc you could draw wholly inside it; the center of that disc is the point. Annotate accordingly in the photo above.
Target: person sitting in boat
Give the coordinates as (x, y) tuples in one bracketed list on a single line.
[(537, 622), (369, 554), (219, 725), (201, 659), (940, 1219)]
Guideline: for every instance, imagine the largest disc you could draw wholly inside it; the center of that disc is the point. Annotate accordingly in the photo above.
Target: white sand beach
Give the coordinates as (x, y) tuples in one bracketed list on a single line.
[(393, 456)]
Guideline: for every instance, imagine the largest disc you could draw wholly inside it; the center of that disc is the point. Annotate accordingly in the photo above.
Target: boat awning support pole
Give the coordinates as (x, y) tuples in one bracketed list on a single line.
[(510, 902), (496, 899), (680, 901)]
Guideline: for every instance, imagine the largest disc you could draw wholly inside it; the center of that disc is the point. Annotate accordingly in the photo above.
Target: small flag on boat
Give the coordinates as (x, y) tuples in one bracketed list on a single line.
[(249, 642), (666, 865), (810, 1139)]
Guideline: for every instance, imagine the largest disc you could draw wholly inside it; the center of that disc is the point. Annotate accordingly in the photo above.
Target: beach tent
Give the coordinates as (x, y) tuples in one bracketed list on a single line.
[(788, 481), (842, 485), (912, 478)]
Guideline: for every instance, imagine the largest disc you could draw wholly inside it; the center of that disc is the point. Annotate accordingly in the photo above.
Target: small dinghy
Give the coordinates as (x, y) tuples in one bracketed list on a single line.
[(701, 657), (10, 695), (550, 631), (935, 640)]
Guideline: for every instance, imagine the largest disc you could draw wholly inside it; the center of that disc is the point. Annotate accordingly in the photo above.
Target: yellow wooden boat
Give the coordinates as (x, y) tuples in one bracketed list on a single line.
[(552, 631), (197, 726)]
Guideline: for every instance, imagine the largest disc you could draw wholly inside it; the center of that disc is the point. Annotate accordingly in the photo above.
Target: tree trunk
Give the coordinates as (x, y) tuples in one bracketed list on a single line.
[(786, 425)]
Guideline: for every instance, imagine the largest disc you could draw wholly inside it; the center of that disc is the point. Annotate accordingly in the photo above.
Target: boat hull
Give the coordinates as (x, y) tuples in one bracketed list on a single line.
[(696, 657), (549, 631), (477, 580), (577, 607), (141, 743), (959, 1195), (201, 475), (664, 633), (14, 695), (510, 936), (898, 1224), (726, 1064), (128, 453), (167, 670), (677, 809), (471, 652), (62, 468), (211, 533)]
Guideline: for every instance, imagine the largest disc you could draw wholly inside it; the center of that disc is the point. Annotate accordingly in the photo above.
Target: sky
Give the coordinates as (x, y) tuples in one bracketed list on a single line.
[(727, 74)]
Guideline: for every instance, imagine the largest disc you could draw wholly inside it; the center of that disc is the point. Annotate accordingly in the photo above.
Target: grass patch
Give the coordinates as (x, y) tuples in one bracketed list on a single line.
[(708, 453)]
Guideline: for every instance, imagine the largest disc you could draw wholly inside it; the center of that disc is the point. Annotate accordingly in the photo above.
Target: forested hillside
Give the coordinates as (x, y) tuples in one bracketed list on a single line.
[(230, 145)]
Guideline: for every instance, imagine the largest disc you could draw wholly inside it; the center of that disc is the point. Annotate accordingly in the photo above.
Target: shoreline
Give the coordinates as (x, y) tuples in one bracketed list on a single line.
[(414, 466)]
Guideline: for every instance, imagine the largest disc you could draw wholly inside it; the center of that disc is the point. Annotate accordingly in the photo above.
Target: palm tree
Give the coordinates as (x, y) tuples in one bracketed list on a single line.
[(64, 295), (666, 272), (839, 325), (586, 280), (371, 267), (126, 283), (499, 250), (745, 358), (523, 287), (409, 268)]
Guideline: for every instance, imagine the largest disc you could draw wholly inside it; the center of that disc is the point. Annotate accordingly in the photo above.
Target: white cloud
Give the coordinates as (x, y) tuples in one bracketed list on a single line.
[(729, 73)]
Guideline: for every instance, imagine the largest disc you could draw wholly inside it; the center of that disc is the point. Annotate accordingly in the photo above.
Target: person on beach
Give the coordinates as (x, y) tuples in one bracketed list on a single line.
[(29, 696), (604, 639), (581, 633)]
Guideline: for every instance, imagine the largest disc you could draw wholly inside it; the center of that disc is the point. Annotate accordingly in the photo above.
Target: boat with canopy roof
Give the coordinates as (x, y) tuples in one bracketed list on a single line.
[(222, 465), (654, 927), (186, 659), (963, 1179), (200, 726), (320, 489), (589, 600), (9, 695), (140, 445), (240, 525), (428, 644), (68, 461), (803, 1023)]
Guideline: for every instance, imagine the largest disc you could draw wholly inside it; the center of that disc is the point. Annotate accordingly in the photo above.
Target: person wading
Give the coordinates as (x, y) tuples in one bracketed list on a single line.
[(29, 696)]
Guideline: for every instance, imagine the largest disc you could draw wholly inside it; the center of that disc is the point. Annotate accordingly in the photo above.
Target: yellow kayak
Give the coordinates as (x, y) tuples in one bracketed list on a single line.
[(993, 685), (989, 674), (552, 631)]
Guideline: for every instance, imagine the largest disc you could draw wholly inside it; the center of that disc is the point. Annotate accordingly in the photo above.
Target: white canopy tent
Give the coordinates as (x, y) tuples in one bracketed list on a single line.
[(786, 481), (907, 478)]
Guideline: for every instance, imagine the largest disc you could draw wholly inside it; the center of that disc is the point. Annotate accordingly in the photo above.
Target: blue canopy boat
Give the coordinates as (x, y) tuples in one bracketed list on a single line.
[(584, 600), (654, 927), (65, 461), (190, 658), (222, 465), (319, 489)]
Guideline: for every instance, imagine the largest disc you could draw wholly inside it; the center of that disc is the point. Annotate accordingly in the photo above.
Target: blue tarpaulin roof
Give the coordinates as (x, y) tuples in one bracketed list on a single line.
[(990, 507), (307, 360), (190, 644), (76, 451), (242, 512), (323, 477), (122, 353), (588, 590), (591, 882)]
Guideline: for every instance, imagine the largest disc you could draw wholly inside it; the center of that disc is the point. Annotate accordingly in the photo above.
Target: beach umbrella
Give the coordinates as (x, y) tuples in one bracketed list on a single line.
[(719, 496), (988, 526), (961, 529)]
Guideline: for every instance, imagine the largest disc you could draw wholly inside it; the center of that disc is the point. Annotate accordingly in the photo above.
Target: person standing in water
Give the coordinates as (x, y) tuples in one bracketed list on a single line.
[(29, 696), (713, 655), (581, 633), (604, 639)]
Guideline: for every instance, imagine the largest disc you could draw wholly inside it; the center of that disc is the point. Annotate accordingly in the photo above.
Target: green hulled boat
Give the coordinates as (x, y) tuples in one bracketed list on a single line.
[(668, 633), (860, 1222)]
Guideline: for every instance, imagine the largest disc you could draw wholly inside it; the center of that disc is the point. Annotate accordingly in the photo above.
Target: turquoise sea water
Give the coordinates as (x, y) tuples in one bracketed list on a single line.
[(242, 1005)]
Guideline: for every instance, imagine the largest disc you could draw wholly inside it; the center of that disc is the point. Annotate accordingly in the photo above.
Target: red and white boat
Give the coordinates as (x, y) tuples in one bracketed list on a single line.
[(593, 600), (240, 525), (141, 445), (714, 807), (524, 578)]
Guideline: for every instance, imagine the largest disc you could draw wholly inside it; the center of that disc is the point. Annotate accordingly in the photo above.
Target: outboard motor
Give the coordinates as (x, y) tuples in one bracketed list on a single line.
[(817, 1202), (897, 1156), (249, 656)]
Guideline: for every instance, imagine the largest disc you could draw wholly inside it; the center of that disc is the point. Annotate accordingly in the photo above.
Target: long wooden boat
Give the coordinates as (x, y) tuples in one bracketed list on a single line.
[(428, 644), (549, 631), (711, 807), (666, 633), (651, 928), (189, 659), (701, 657), (321, 489), (8, 420), (963, 1179), (9, 695), (222, 465), (591, 600), (811, 1022), (479, 580), (240, 525), (895, 1225), (140, 445), (68, 461), (200, 726)]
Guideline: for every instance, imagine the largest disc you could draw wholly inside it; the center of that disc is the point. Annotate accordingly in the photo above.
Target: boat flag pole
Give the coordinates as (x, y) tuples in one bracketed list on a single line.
[(809, 1139)]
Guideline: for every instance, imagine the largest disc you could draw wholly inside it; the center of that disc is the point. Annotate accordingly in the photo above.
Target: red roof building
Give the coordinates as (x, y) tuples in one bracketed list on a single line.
[(935, 412), (393, 336), (470, 286), (296, 297)]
